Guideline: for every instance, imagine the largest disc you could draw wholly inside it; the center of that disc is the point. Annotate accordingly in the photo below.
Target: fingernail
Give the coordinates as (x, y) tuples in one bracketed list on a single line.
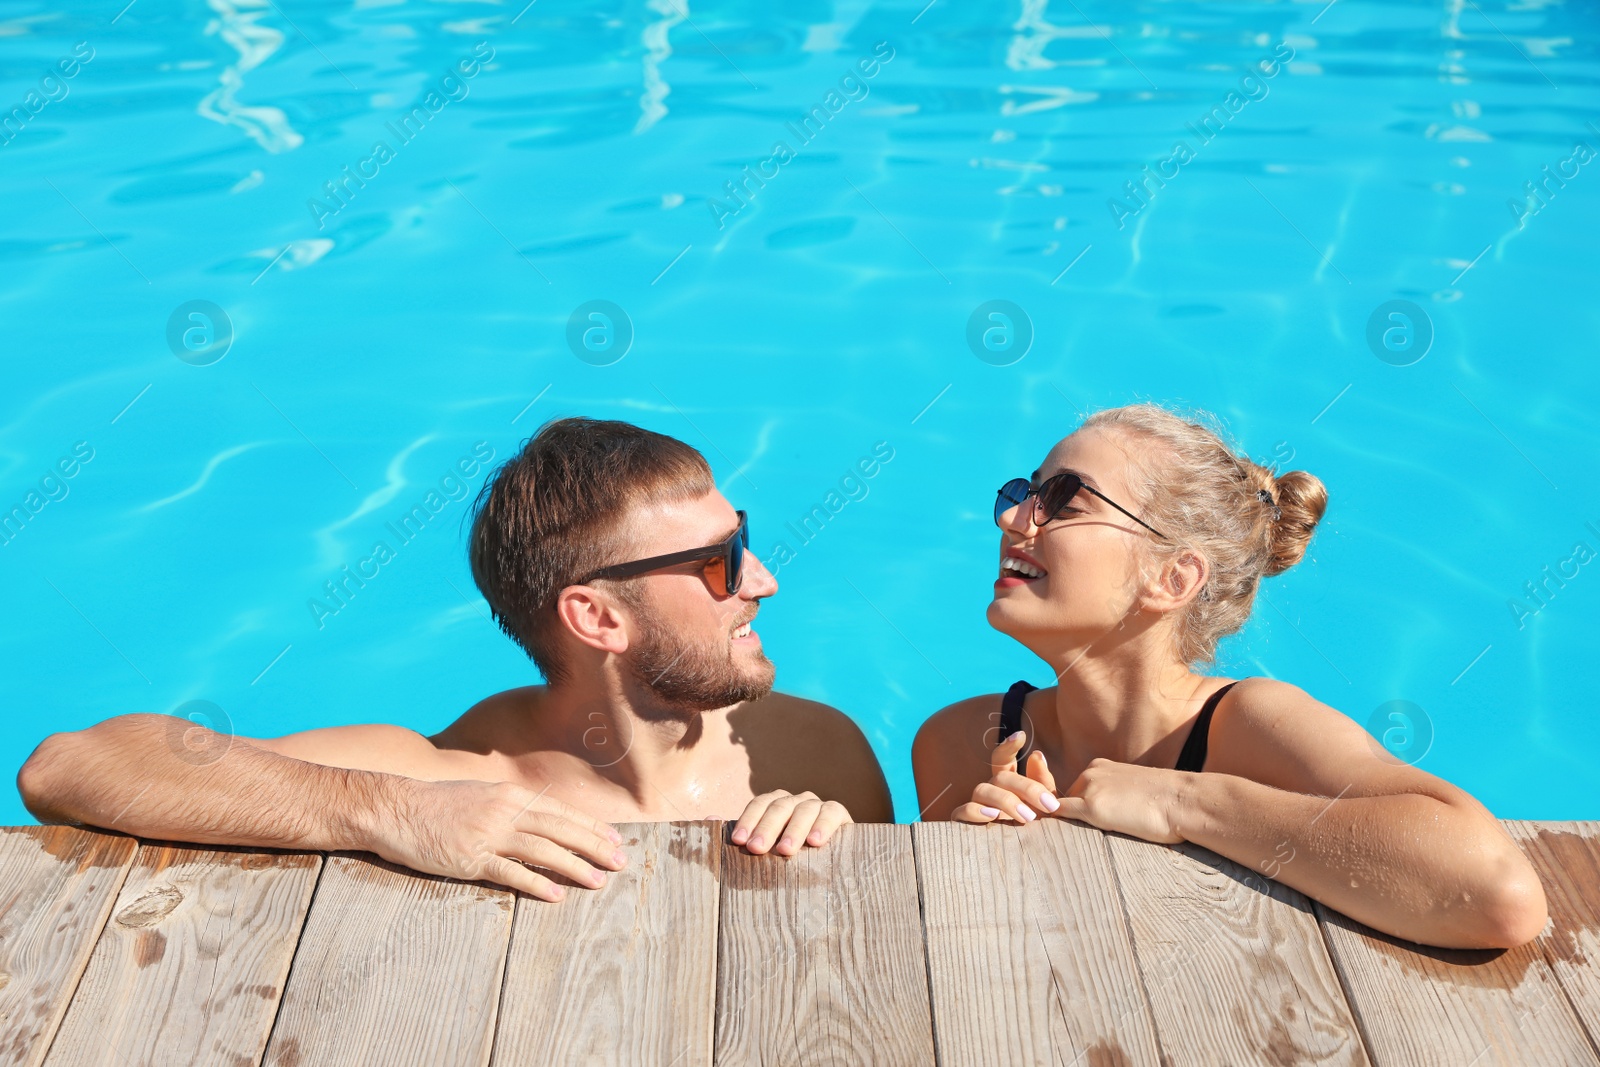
[(1048, 802), (1044, 763), (988, 812), (1026, 813), (558, 892), (740, 835), (786, 843), (616, 838), (814, 837), (755, 841), (1012, 738), (620, 858), (597, 878)]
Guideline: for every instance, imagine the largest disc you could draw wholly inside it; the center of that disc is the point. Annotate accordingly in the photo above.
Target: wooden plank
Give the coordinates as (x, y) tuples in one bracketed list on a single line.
[(626, 974), (57, 885), (1423, 1005), (1029, 957), (1567, 857), (192, 963), (1233, 963), (819, 957), (393, 967)]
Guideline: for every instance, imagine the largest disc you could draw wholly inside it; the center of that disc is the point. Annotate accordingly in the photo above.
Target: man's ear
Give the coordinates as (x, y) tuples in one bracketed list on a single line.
[(593, 617), (1180, 580)]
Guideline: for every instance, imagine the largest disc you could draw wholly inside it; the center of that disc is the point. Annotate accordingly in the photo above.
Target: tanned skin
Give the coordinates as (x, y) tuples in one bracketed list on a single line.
[(528, 778)]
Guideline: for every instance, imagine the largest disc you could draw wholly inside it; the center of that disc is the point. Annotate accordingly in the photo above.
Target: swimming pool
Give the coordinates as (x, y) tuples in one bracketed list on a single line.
[(273, 270)]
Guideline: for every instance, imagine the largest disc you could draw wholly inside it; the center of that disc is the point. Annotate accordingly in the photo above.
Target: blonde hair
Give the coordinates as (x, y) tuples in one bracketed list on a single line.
[(1248, 521)]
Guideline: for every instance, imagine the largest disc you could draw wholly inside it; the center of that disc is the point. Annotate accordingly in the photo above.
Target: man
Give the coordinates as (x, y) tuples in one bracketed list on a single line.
[(607, 553)]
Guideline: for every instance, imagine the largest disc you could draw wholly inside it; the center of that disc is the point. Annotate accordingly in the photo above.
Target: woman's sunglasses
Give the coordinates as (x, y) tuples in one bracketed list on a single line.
[(1051, 499), (724, 562)]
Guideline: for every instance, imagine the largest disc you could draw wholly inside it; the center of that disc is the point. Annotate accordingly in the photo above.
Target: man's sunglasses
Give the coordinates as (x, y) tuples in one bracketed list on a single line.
[(1051, 499), (724, 561)]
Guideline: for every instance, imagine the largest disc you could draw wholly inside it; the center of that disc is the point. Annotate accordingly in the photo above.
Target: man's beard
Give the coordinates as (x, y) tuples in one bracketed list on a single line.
[(689, 676)]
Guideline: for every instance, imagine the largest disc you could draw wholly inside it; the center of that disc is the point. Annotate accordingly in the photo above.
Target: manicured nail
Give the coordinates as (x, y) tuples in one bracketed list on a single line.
[(1044, 763), (1012, 738), (1048, 802), (987, 812), (1026, 813)]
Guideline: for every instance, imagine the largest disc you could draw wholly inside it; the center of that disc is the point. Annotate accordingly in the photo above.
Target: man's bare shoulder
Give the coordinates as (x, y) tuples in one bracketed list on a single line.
[(462, 750), (799, 744)]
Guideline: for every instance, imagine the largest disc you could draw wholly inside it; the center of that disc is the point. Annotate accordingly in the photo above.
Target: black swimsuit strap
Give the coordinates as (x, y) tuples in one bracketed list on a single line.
[(1011, 719), (1193, 756)]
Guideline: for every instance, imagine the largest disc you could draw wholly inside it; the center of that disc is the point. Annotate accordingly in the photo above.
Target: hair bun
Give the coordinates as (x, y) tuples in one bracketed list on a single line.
[(1299, 499)]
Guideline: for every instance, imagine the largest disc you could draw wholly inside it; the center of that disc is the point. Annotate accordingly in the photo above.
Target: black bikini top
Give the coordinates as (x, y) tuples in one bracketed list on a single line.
[(1192, 758)]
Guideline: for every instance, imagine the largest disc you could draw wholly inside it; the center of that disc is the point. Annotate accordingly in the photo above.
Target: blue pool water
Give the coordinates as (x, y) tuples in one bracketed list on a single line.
[(575, 152)]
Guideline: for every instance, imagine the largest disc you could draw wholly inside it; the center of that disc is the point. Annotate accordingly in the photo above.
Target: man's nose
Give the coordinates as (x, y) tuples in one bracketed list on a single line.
[(758, 581)]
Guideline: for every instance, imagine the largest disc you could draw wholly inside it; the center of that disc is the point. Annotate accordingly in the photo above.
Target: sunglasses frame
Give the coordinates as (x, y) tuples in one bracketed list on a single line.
[(1004, 503), (729, 552)]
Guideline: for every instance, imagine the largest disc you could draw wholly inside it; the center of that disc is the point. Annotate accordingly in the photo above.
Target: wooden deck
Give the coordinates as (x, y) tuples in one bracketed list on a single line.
[(1054, 944)]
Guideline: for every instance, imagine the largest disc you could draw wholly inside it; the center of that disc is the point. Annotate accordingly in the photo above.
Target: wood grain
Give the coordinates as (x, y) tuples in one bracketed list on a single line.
[(57, 886), (820, 957), (393, 967), (1029, 956), (1233, 963), (1441, 1006), (626, 974), (1450, 1007), (192, 963), (1567, 857)]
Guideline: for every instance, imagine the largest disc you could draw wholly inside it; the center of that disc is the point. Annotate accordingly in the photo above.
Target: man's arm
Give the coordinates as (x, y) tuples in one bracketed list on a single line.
[(157, 776)]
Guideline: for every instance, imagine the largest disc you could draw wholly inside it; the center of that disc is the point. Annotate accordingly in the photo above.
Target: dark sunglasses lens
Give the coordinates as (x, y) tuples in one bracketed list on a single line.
[(1010, 495), (734, 568), (1058, 492)]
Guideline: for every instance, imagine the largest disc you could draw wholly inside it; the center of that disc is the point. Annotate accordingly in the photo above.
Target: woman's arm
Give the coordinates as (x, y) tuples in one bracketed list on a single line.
[(1299, 792), (1410, 865)]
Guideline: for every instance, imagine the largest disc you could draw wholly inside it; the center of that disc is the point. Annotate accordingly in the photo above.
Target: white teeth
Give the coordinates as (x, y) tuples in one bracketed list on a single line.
[(1022, 567), (743, 631)]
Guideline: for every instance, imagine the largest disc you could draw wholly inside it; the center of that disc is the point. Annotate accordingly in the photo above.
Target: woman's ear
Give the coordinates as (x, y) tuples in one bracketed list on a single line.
[(592, 617), (1183, 578)]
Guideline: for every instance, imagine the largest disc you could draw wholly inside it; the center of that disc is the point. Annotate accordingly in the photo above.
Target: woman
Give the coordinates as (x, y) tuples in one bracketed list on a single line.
[(1135, 547)]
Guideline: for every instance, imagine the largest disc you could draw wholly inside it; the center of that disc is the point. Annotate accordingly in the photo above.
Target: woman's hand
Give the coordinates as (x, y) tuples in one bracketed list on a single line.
[(1124, 798), (1007, 794), (790, 819)]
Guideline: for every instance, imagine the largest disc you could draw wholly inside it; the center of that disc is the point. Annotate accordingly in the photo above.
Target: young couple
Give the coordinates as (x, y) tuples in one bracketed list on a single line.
[(607, 553)]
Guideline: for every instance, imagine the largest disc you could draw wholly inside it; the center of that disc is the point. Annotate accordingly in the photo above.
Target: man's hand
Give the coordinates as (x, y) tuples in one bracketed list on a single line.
[(489, 830), (789, 819)]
